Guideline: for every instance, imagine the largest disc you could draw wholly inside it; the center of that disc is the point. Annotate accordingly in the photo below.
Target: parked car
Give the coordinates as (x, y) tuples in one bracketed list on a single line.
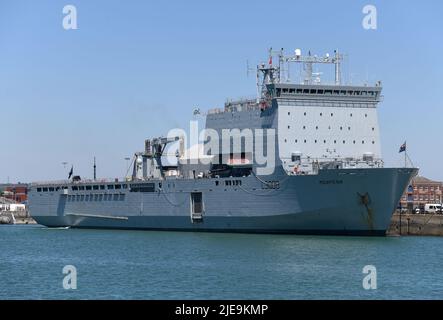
[(432, 208)]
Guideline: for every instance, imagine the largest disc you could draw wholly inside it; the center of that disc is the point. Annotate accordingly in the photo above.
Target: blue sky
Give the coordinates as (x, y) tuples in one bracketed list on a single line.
[(135, 69)]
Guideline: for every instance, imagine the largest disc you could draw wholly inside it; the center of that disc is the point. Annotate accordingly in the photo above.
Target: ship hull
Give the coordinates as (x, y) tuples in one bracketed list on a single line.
[(334, 202)]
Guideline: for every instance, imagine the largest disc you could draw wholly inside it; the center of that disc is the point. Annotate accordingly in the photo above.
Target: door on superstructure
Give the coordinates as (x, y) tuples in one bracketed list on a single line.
[(197, 207)]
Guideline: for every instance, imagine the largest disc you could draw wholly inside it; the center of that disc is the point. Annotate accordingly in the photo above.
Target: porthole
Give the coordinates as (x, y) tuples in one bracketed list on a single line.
[(305, 141), (363, 142), (304, 127), (316, 128), (304, 113)]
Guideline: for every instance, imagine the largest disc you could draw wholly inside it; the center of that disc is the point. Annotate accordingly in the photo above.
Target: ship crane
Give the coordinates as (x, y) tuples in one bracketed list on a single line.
[(149, 164)]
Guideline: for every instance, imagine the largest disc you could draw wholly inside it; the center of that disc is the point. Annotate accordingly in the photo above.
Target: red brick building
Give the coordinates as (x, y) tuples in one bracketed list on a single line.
[(16, 192), (421, 191)]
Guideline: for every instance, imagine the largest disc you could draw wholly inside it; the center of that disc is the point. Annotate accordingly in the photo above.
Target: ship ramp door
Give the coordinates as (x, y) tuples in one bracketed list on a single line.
[(197, 207)]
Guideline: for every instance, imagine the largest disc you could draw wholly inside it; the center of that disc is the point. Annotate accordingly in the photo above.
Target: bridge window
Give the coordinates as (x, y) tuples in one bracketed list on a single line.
[(95, 187), (88, 187), (110, 187)]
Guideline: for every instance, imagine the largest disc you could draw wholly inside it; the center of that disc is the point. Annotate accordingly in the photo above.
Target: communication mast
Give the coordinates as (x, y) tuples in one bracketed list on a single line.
[(270, 74)]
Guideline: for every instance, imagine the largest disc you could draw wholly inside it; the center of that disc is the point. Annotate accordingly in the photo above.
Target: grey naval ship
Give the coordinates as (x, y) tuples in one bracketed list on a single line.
[(324, 174)]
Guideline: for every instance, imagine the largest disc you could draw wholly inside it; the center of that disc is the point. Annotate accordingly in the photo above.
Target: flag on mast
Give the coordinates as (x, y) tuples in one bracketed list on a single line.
[(270, 56), (402, 148), (71, 172)]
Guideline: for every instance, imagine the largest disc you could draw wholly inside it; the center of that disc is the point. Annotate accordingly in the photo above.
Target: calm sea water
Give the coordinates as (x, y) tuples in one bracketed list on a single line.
[(172, 265)]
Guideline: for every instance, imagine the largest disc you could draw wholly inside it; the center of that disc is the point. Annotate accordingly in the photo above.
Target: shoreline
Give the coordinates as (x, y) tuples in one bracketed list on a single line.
[(416, 225)]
